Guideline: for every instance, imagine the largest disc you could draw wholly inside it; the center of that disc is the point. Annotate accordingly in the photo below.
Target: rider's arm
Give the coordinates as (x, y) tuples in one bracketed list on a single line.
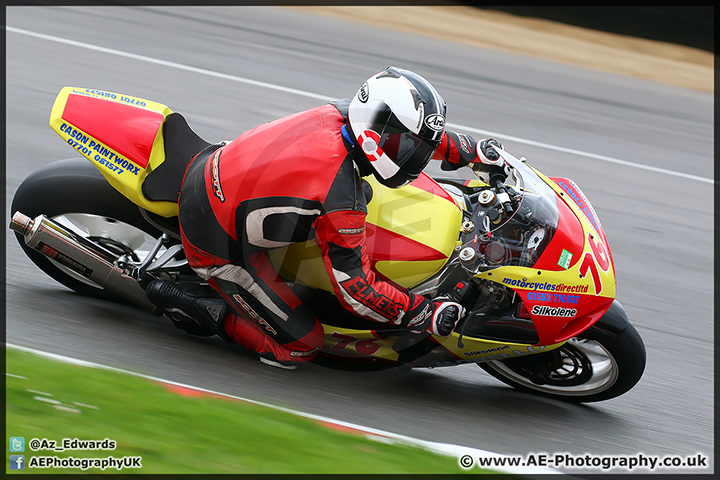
[(341, 237), (456, 150), (340, 231)]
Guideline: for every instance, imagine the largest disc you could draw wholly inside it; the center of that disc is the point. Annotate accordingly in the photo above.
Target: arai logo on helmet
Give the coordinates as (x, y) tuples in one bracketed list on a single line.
[(364, 93), (435, 122)]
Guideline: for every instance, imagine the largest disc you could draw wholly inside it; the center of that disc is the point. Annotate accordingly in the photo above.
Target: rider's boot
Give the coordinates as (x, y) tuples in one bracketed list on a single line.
[(249, 335), (196, 314)]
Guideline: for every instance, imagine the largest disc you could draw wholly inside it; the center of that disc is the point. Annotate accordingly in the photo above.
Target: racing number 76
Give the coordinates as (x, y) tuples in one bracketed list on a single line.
[(366, 347), (599, 258)]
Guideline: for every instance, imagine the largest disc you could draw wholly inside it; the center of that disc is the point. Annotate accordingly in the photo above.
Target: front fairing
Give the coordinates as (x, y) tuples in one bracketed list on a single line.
[(554, 260), (551, 251)]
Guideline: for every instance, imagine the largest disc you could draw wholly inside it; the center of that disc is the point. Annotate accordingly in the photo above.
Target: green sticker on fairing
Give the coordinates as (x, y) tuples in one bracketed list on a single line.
[(565, 259)]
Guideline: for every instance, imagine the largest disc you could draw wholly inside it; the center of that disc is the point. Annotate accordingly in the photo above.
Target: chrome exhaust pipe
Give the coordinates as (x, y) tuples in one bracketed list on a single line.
[(80, 255)]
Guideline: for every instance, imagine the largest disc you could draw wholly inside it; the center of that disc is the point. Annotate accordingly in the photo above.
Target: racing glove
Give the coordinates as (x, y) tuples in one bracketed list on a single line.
[(445, 317), (488, 162), (437, 318)]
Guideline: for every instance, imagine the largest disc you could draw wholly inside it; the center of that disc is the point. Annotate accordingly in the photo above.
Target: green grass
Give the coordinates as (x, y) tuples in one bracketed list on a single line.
[(178, 434)]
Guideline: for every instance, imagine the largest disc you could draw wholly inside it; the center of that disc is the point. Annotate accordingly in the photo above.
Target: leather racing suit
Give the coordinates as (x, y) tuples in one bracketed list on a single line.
[(291, 180)]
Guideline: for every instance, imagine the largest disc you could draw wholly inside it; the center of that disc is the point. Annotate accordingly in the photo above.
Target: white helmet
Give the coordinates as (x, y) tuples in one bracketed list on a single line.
[(397, 118)]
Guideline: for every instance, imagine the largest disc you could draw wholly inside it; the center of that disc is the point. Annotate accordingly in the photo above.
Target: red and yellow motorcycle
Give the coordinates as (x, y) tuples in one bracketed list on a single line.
[(527, 257)]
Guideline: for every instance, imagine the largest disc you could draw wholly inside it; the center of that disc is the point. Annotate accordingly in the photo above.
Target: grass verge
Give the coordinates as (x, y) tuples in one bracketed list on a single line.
[(180, 434)]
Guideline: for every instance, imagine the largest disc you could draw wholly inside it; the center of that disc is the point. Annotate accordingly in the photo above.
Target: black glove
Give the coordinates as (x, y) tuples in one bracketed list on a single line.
[(488, 162), (445, 317), (486, 152)]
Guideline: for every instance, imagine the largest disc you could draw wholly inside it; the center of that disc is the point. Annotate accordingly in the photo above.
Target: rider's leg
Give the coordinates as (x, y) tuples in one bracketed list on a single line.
[(271, 319), (242, 274)]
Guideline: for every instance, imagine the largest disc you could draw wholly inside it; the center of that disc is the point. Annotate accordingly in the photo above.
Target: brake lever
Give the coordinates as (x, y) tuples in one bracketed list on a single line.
[(498, 177)]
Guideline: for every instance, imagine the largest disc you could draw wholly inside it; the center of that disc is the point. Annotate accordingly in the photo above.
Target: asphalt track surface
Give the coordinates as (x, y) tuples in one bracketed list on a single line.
[(641, 151)]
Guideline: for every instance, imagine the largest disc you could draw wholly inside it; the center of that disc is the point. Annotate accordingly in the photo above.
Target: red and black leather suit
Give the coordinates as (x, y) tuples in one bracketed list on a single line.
[(287, 181)]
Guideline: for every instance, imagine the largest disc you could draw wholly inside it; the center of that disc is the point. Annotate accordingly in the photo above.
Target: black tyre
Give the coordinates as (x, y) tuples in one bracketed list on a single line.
[(604, 362), (74, 193)]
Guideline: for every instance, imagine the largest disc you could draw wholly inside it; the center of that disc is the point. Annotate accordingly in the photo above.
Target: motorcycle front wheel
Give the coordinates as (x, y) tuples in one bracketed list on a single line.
[(75, 194), (604, 362)]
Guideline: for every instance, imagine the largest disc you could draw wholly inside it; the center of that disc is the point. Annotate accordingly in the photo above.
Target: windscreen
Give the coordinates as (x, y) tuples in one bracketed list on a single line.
[(494, 237)]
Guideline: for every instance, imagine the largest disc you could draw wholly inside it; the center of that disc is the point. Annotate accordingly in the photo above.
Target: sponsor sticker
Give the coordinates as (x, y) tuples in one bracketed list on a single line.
[(304, 354), (360, 290), (253, 314), (581, 201), (364, 93), (463, 143), (421, 115), (435, 122), (545, 311), (351, 231), (97, 151), (552, 297), (68, 262), (217, 189), (565, 259), (214, 312), (487, 350), (427, 312), (545, 286)]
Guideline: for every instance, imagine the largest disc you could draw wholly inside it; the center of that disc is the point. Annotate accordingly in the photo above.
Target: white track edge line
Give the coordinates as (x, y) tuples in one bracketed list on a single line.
[(326, 98), (372, 433)]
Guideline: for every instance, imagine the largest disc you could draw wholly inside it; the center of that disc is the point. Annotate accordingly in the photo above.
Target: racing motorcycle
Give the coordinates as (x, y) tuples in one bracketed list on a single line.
[(525, 255)]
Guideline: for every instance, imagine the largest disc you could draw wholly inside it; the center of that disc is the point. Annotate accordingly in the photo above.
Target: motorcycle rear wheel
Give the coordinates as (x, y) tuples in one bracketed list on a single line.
[(74, 193), (604, 362)]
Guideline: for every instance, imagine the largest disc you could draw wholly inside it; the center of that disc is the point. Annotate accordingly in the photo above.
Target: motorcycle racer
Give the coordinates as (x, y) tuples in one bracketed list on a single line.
[(300, 178)]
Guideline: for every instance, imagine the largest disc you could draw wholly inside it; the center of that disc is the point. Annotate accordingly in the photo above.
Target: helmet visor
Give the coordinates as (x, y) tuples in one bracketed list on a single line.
[(410, 153)]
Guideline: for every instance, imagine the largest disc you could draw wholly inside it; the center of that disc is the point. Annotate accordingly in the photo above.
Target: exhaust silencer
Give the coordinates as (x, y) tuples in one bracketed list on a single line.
[(80, 255)]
